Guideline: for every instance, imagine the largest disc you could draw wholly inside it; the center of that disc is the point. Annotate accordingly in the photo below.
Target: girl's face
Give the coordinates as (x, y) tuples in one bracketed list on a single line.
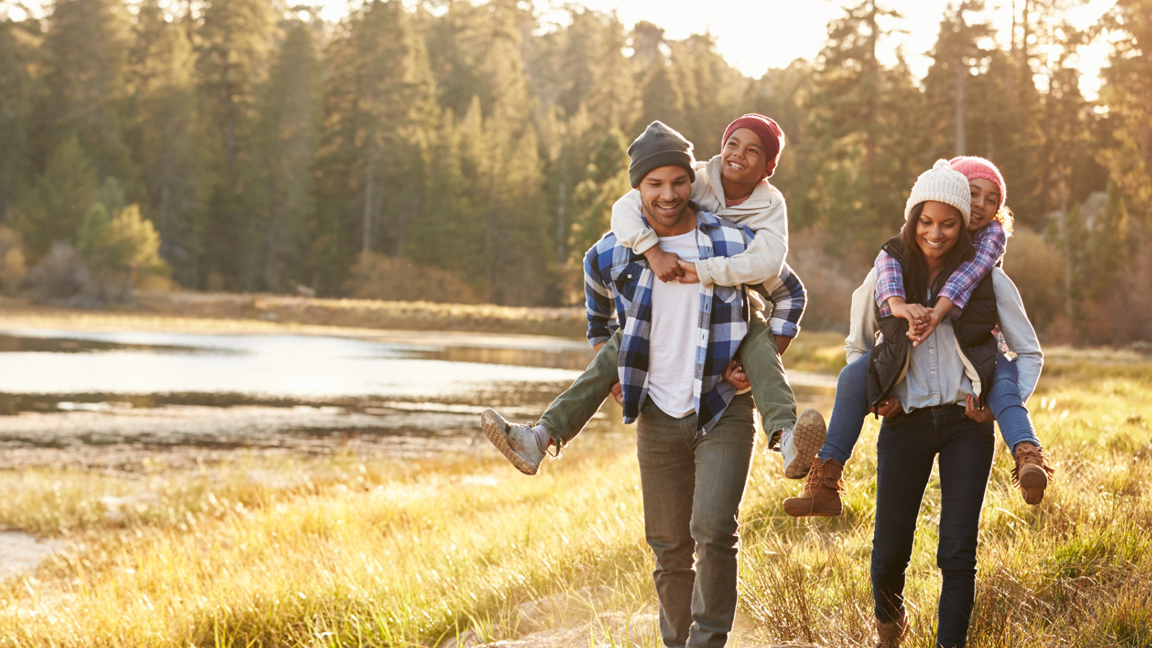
[(937, 230), (743, 159), (985, 201)]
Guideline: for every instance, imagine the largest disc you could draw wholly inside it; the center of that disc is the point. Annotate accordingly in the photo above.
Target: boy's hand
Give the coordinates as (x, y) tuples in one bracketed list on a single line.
[(689, 272), (782, 342), (618, 393), (664, 264), (736, 377), (976, 413), (889, 407)]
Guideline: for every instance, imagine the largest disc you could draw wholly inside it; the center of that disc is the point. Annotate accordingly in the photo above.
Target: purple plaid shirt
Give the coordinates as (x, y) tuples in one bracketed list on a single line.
[(990, 243)]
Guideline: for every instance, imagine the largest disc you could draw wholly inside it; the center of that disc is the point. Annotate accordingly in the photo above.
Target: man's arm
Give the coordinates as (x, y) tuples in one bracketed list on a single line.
[(597, 300)]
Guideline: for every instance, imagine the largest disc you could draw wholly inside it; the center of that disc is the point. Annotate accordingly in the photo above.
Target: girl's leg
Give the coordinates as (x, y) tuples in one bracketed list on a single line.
[(966, 454), (848, 412), (1011, 414)]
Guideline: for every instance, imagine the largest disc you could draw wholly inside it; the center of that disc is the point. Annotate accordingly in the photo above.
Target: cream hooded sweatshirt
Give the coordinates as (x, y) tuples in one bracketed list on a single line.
[(763, 212)]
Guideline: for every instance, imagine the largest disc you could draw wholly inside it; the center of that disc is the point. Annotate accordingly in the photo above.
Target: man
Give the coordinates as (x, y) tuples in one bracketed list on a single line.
[(679, 382)]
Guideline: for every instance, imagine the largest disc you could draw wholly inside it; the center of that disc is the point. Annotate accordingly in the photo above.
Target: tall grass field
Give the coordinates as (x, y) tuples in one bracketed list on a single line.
[(464, 550)]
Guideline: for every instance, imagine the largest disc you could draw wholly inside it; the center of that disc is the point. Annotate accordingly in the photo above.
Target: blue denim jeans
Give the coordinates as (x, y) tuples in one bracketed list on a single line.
[(692, 485), (906, 448), (851, 408)]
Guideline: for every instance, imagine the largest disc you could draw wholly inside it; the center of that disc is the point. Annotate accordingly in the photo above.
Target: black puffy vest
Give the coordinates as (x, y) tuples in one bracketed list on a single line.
[(888, 359)]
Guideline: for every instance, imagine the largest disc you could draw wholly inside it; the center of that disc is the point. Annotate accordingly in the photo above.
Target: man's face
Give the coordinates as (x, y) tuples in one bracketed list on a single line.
[(665, 192)]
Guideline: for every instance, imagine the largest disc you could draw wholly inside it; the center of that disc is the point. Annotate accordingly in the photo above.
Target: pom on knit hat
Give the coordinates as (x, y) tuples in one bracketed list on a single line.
[(769, 132), (977, 167), (942, 184), (658, 146)]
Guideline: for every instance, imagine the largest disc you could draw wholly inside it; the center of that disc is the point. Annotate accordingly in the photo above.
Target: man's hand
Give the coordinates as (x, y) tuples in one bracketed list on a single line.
[(618, 393), (782, 342), (889, 407), (689, 272), (735, 376), (975, 412), (664, 264)]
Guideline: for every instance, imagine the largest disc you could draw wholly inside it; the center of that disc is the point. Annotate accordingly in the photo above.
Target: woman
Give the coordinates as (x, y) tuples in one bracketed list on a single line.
[(924, 393)]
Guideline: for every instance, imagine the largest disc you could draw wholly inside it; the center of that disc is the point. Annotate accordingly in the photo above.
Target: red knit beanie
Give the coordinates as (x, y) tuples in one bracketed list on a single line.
[(977, 167), (771, 137)]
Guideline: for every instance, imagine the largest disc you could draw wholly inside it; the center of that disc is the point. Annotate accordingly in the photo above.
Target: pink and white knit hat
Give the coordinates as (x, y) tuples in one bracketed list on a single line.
[(977, 167)]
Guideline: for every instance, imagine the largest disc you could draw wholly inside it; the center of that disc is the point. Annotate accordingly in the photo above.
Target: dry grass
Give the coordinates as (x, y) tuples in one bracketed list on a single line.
[(338, 552)]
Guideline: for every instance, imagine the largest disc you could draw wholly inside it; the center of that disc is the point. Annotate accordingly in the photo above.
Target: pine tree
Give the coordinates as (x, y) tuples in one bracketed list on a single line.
[(52, 210), (17, 103)]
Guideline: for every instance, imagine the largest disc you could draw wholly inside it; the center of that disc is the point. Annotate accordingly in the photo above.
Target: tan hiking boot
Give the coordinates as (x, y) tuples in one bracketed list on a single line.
[(1031, 472), (821, 493), (892, 633)]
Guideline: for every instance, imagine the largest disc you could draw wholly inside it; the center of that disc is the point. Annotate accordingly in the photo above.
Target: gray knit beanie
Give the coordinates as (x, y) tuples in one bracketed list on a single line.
[(943, 184), (660, 146)]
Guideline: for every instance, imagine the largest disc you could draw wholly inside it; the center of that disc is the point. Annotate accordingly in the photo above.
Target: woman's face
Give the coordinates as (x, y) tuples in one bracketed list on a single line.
[(937, 230), (985, 201)]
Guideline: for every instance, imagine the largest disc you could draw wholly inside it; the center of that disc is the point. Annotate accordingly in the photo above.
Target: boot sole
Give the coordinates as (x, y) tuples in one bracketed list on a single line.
[(495, 428), (1033, 477), (808, 437), (805, 511)]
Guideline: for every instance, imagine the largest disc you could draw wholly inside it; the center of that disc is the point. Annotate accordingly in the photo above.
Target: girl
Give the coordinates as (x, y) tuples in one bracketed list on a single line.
[(991, 223)]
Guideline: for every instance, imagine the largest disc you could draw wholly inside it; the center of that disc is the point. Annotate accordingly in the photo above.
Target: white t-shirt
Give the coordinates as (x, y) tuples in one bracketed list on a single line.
[(672, 342)]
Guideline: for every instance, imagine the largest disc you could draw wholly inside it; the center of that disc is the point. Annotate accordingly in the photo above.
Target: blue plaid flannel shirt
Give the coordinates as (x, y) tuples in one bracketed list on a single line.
[(616, 277)]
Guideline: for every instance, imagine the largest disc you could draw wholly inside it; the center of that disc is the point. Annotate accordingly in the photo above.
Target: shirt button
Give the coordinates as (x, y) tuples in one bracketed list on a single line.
[(629, 276), (931, 350), (933, 373), (935, 396)]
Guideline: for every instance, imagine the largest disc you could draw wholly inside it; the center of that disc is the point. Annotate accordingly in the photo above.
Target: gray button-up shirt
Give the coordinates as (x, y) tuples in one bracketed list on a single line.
[(937, 371)]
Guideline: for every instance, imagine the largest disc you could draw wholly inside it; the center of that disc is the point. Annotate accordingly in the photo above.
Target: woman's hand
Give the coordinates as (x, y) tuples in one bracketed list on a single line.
[(735, 376), (665, 264), (926, 330), (975, 412), (890, 406), (916, 314)]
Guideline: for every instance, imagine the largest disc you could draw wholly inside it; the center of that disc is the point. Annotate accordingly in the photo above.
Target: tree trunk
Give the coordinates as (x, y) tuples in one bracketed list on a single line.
[(367, 243), (961, 78)]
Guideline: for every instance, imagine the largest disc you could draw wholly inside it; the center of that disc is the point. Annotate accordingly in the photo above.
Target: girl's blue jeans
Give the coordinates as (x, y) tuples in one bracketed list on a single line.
[(851, 407)]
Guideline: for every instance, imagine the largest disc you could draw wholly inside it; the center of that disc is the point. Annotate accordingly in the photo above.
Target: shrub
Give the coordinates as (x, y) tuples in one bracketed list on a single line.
[(376, 276)]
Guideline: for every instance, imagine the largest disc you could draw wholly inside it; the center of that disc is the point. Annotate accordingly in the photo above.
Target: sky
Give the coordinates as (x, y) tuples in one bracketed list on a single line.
[(755, 35)]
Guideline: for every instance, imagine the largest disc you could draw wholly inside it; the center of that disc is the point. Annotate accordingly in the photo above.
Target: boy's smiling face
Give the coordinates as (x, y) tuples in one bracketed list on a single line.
[(743, 158)]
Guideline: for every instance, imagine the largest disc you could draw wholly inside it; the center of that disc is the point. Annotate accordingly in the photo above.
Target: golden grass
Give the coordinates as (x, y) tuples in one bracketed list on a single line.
[(328, 552)]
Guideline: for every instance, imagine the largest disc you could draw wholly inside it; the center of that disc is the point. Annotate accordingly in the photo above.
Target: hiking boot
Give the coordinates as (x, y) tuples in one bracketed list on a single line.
[(892, 632), (1031, 472), (821, 494), (800, 443), (516, 441)]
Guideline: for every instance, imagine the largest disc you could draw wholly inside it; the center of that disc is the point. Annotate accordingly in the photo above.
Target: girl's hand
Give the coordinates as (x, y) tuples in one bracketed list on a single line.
[(976, 413), (927, 330), (889, 407), (664, 264), (916, 314)]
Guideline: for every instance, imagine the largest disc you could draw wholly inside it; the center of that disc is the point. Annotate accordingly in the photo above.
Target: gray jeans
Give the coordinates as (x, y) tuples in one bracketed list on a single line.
[(692, 487)]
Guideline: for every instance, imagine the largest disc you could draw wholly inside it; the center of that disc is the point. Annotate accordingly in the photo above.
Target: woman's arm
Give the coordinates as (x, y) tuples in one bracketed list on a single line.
[(863, 327), (1018, 333)]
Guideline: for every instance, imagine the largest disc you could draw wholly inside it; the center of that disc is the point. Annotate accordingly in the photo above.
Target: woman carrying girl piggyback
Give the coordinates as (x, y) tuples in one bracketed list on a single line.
[(990, 224), (938, 384)]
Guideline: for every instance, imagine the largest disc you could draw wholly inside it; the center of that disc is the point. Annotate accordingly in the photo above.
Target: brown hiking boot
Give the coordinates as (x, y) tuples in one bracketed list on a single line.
[(892, 633), (821, 493), (1031, 472)]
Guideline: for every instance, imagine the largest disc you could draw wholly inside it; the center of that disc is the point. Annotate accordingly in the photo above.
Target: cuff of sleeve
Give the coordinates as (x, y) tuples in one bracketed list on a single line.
[(598, 340), (885, 311), (704, 273), (646, 242), (783, 327)]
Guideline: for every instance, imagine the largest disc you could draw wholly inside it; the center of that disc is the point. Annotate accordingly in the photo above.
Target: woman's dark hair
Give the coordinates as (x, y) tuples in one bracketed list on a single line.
[(915, 268)]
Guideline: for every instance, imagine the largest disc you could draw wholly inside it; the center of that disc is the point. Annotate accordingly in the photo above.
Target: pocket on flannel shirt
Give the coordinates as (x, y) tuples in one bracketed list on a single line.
[(626, 277)]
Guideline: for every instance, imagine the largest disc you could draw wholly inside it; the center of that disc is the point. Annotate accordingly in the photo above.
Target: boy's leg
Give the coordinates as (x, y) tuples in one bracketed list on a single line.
[(571, 410), (799, 439), (848, 412), (525, 445)]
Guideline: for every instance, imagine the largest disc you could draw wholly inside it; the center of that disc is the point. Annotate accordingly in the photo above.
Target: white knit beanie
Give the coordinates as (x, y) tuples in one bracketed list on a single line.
[(943, 184)]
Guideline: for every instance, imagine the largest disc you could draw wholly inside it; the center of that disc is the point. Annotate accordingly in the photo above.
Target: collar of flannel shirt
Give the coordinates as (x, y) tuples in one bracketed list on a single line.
[(719, 334)]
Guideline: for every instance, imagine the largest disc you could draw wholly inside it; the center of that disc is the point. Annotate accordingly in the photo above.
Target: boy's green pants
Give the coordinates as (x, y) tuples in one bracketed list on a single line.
[(572, 410)]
